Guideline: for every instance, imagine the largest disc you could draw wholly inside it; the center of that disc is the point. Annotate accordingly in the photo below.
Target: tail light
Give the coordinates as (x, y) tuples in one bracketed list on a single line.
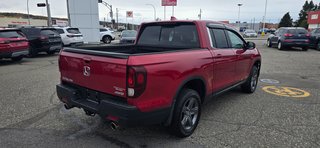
[(288, 35), (308, 35), (136, 81), (4, 42), (43, 38)]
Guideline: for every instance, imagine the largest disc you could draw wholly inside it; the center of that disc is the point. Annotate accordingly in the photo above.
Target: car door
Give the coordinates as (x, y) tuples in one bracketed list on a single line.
[(274, 39), (243, 64), (224, 59)]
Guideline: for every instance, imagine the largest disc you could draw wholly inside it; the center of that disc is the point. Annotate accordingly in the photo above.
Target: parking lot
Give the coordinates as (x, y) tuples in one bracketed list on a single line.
[(283, 112)]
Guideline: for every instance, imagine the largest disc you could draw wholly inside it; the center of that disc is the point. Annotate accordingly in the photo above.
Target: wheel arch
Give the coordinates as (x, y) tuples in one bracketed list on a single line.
[(196, 83)]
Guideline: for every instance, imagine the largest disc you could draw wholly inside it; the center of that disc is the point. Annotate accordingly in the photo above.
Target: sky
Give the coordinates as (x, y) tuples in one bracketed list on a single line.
[(217, 10)]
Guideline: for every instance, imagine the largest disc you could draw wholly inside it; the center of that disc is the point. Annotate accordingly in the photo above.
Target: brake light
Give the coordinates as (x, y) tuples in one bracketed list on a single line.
[(136, 81), (4, 42), (308, 35), (43, 38), (288, 35)]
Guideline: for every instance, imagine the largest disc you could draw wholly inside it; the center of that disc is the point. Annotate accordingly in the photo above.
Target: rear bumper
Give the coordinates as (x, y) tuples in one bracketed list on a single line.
[(110, 109), (14, 53), (51, 47), (296, 44)]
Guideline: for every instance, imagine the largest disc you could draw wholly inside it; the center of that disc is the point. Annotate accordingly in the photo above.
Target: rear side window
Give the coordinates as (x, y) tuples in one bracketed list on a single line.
[(73, 30), (219, 37), (11, 34), (179, 35)]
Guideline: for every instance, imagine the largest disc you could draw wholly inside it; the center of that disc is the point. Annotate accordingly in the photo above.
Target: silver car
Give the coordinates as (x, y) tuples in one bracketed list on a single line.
[(128, 36), (250, 33)]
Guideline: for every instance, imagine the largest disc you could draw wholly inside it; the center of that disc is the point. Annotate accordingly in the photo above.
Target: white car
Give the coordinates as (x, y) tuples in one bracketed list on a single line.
[(70, 36), (250, 33), (106, 35)]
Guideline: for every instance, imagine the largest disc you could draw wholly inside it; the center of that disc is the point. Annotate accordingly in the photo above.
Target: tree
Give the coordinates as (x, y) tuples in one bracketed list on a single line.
[(302, 21), (286, 21)]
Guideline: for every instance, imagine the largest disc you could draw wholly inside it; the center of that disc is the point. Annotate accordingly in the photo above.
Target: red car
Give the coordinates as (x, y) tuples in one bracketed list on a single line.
[(164, 78), (13, 44)]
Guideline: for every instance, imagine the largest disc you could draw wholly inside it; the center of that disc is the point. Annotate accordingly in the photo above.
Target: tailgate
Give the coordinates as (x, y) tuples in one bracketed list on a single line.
[(99, 73)]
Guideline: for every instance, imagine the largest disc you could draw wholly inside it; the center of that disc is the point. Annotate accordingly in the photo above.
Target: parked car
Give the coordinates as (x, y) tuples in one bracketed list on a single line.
[(13, 44), (70, 36), (106, 35), (164, 78), (272, 30), (42, 40), (128, 36), (250, 33), (287, 37), (265, 30), (315, 38)]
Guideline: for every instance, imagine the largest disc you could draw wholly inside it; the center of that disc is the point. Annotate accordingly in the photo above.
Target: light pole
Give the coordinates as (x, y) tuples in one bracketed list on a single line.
[(154, 11), (239, 14), (49, 14), (264, 17), (28, 12)]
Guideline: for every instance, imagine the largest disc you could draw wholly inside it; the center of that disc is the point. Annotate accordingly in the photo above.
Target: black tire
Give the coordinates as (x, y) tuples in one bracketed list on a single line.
[(16, 59), (269, 44), (33, 52), (251, 83), (106, 39), (51, 52), (317, 46), (280, 46), (305, 48), (187, 110)]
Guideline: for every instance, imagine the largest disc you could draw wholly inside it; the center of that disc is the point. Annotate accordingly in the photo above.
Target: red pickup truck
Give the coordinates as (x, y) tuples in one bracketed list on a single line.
[(172, 68)]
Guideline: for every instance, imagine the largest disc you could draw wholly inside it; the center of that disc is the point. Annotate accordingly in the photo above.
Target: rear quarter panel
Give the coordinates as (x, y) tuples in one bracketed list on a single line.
[(166, 72)]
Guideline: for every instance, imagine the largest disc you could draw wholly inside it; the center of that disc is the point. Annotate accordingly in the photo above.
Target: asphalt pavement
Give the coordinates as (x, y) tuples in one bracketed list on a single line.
[(283, 112)]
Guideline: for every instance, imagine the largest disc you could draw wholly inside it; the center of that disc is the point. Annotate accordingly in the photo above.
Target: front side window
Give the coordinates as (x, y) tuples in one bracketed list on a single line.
[(236, 41)]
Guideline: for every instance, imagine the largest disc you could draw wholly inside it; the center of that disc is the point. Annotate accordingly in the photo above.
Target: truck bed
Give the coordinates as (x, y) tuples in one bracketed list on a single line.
[(121, 51)]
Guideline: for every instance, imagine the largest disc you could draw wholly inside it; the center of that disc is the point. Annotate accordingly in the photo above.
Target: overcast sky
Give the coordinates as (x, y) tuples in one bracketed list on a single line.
[(218, 10)]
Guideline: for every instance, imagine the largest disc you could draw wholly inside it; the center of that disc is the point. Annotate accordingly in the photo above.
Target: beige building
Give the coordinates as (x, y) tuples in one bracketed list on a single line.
[(15, 21)]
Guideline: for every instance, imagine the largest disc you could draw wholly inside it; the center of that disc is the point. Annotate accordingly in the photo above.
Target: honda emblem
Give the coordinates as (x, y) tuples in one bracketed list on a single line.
[(86, 71)]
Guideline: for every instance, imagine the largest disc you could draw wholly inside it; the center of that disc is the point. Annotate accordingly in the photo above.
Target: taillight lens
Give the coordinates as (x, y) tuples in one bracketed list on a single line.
[(308, 35), (43, 38), (288, 35), (136, 81)]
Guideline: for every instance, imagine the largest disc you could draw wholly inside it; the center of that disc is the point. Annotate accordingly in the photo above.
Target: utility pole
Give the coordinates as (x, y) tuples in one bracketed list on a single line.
[(111, 12), (117, 13), (264, 17), (49, 14), (154, 11), (28, 12), (200, 14), (239, 14)]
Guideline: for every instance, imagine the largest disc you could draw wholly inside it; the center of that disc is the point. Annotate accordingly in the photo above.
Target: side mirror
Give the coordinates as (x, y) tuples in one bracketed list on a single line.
[(250, 45)]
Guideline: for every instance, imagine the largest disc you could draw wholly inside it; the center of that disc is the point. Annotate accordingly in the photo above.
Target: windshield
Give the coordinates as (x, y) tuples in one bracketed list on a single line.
[(131, 33), (178, 35)]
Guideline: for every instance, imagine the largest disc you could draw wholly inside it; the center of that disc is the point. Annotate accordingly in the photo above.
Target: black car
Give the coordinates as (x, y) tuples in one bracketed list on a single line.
[(42, 40), (315, 38), (287, 37)]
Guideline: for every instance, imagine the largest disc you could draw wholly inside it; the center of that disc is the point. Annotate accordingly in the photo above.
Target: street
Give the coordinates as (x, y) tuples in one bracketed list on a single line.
[(283, 112)]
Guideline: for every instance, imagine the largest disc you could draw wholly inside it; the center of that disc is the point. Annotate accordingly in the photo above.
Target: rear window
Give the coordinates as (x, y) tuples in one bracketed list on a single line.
[(73, 30), (60, 31), (179, 35), (297, 31), (31, 32), (10, 34), (48, 32)]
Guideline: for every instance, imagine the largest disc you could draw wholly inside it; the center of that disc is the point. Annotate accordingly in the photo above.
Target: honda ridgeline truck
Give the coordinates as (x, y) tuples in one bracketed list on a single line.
[(164, 78)]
